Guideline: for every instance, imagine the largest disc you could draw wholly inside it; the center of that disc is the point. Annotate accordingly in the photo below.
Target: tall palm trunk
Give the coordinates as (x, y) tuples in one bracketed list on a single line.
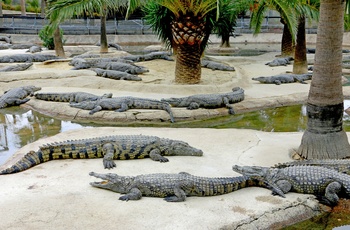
[(57, 39), (103, 35), (23, 7), (42, 7), (287, 46), (300, 58), (325, 137)]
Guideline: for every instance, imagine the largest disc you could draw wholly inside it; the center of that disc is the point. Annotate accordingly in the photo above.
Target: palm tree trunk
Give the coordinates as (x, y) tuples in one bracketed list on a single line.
[(300, 59), (287, 46), (188, 64), (225, 41), (103, 35), (23, 8), (57, 39), (325, 137), (42, 7)]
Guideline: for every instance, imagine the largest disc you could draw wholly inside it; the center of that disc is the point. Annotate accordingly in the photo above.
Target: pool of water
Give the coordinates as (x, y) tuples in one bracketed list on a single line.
[(19, 127)]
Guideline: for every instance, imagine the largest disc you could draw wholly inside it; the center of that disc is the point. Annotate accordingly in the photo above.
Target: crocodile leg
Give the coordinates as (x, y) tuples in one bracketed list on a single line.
[(331, 198), (123, 107), (156, 156), (17, 101), (96, 109), (134, 194), (193, 105), (180, 195), (108, 152), (227, 104)]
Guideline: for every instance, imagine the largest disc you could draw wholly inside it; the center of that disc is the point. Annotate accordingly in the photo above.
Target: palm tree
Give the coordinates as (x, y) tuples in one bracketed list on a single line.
[(324, 136), (185, 25), (23, 7), (305, 9), (286, 8), (59, 10)]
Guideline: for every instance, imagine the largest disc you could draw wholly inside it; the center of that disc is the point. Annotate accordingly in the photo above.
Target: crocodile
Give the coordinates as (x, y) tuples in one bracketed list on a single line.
[(283, 61), (216, 100), (118, 64), (322, 182), (116, 75), (6, 39), (91, 61), (34, 49), (122, 104), (17, 67), (73, 97), (170, 186), (216, 66), (284, 78), (17, 96), (118, 147), (27, 58), (341, 165), (148, 57)]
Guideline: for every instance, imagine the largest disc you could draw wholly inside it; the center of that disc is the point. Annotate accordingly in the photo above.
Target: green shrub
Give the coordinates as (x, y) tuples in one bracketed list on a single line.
[(47, 37)]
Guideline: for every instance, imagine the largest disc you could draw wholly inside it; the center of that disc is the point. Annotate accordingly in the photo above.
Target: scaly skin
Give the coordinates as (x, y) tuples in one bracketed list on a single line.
[(208, 100), (122, 104), (116, 75), (18, 67), (70, 97), (341, 165), (171, 187), (284, 78), (111, 147), (216, 65), (17, 96), (322, 182)]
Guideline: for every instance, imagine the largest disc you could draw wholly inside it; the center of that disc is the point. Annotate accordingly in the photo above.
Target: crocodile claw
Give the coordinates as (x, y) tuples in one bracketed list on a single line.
[(108, 164)]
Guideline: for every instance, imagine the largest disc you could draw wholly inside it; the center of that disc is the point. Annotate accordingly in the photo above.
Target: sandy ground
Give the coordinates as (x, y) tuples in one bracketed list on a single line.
[(57, 194)]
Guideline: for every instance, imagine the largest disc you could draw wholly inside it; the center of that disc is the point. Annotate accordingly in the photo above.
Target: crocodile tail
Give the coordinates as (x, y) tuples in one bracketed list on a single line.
[(58, 97), (29, 160), (167, 108)]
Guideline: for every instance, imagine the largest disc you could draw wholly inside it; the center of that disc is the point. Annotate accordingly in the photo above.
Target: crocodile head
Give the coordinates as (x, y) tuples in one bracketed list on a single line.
[(31, 88), (181, 148), (112, 181), (261, 79), (251, 171)]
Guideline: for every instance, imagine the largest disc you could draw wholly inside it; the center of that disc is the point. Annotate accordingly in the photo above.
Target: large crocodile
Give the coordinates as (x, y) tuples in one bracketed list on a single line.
[(116, 75), (122, 104), (17, 67), (171, 187), (17, 96), (322, 182), (119, 147), (283, 61), (284, 78), (27, 58), (216, 65), (216, 100), (341, 165), (73, 97)]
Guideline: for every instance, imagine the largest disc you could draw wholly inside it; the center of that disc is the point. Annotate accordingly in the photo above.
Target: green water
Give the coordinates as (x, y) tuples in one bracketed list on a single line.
[(19, 127)]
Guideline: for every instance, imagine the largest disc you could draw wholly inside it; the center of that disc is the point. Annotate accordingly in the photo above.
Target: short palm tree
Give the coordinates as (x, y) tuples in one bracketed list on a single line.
[(185, 25), (60, 10), (288, 18)]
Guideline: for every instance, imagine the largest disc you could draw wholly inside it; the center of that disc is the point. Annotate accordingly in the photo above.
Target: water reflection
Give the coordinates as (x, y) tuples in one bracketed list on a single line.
[(19, 127)]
